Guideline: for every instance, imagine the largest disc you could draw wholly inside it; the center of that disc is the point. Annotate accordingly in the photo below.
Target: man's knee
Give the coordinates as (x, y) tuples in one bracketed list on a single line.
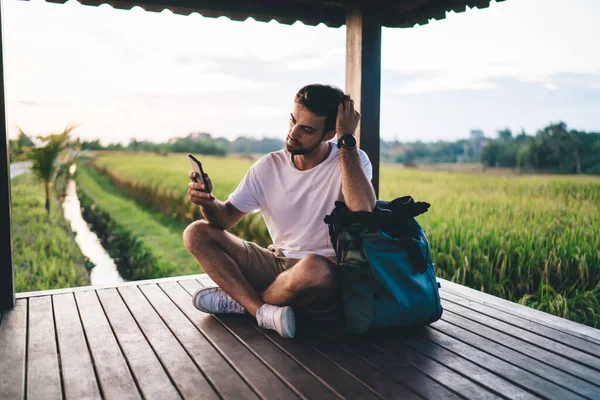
[(313, 271), (198, 233)]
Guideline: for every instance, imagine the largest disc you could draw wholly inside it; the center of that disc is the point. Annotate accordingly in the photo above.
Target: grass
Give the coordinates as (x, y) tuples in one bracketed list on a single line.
[(161, 183), (45, 253), (530, 239), (159, 233), (171, 173)]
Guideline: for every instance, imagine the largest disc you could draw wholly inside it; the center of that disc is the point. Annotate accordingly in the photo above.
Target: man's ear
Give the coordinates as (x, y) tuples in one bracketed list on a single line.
[(330, 135)]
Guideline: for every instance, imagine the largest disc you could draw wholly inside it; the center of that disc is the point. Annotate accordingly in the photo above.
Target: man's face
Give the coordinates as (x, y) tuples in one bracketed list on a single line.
[(305, 132)]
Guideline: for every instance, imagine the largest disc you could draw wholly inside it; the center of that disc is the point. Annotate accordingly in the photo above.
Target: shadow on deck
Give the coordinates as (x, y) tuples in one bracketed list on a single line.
[(146, 340)]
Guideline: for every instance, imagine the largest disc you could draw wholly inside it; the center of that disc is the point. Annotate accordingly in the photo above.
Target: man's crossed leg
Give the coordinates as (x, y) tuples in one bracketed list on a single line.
[(259, 281)]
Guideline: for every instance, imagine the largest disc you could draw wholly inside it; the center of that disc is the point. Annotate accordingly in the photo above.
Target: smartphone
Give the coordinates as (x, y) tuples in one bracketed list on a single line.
[(197, 167)]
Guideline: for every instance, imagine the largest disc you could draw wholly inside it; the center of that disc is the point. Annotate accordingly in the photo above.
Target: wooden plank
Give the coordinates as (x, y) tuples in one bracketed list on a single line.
[(553, 321), (263, 380), (469, 369), (400, 367), (145, 367), (7, 284), (363, 80), (23, 295), (114, 376), (479, 324), (484, 340), (219, 373), (78, 375), (341, 381), (359, 368), (303, 381), (451, 380), (533, 327), (43, 376), (13, 336), (388, 382), (205, 280), (515, 373), (470, 311), (186, 376)]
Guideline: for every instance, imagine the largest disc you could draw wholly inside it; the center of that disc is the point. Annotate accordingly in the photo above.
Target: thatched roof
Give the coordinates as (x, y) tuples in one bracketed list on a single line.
[(399, 13)]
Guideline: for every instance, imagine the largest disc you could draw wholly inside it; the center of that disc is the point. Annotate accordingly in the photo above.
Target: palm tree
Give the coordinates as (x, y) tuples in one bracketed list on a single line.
[(45, 159)]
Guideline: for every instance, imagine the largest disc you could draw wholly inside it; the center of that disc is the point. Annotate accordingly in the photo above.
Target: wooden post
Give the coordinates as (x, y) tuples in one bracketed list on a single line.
[(7, 284), (363, 79)]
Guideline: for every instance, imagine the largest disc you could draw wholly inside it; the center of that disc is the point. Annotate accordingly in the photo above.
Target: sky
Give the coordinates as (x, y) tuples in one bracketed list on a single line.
[(119, 75)]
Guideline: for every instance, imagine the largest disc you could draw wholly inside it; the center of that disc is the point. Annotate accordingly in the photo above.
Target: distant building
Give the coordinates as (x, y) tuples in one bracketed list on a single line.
[(472, 148), (476, 142)]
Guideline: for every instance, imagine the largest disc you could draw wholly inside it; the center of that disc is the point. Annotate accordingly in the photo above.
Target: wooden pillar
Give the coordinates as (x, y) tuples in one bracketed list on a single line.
[(7, 284), (363, 79)]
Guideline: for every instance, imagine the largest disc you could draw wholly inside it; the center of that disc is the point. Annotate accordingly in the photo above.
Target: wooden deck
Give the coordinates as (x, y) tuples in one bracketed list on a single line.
[(146, 340)]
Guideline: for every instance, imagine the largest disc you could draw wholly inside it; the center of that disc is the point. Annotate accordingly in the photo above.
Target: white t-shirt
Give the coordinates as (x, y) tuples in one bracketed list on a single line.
[(293, 202)]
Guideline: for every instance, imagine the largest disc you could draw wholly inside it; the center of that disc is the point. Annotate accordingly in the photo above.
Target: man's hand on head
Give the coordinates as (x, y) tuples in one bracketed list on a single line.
[(347, 118)]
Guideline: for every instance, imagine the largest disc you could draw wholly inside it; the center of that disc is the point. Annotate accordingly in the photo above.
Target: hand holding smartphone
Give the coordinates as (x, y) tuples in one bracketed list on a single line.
[(197, 167)]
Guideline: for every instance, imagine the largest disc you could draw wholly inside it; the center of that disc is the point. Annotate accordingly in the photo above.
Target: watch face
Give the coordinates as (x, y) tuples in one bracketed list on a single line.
[(349, 140)]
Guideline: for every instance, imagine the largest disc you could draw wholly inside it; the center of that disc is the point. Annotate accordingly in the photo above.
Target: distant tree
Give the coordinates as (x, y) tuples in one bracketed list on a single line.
[(197, 146), (522, 137), (253, 146), (93, 145), (45, 159), (491, 154), (559, 150), (115, 146), (133, 145), (524, 157), (19, 145), (505, 135)]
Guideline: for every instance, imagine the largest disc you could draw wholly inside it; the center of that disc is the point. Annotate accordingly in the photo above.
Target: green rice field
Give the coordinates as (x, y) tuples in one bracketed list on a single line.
[(531, 239), (44, 250)]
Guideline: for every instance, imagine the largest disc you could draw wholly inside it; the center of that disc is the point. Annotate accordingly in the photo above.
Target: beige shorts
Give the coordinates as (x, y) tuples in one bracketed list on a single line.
[(262, 267)]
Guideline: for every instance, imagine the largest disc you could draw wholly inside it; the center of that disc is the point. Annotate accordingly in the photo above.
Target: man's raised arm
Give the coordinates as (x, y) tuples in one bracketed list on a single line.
[(359, 194)]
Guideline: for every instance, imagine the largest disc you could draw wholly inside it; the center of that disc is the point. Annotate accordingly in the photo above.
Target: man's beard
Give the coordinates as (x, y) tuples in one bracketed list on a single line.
[(303, 150)]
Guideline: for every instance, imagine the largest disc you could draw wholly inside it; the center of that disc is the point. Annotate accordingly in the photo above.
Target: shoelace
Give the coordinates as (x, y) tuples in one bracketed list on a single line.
[(226, 303)]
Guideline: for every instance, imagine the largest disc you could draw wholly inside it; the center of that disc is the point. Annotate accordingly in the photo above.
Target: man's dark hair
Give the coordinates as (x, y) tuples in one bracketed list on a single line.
[(322, 100)]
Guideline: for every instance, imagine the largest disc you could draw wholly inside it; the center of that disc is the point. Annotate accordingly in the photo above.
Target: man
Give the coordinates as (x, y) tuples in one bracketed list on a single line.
[(294, 188)]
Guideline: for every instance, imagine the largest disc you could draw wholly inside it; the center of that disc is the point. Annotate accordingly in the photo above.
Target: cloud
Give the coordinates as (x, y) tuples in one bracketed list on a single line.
[(449, 115), (443, 84), (486, 44), (154, 75)]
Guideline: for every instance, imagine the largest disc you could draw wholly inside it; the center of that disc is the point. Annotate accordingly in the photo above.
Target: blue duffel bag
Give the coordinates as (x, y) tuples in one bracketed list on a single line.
[(387, 276)]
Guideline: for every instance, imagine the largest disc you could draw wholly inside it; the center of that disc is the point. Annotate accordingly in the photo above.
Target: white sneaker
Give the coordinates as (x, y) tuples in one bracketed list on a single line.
[(280, 319), (214, 300)]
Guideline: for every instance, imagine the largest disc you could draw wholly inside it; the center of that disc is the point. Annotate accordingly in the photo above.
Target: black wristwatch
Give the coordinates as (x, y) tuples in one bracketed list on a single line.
[(347, 140)]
